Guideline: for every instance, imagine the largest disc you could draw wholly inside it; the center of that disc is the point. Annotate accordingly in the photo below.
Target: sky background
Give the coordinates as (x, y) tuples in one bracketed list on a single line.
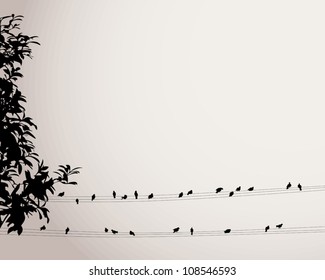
[(167, 96)]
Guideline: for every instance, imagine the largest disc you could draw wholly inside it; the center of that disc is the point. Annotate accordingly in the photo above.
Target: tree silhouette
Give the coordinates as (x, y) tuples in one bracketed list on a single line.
[(25, 182)]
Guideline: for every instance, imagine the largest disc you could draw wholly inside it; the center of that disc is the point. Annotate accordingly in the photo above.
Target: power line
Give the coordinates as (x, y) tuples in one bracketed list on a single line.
[(194, 196), (170, 234)]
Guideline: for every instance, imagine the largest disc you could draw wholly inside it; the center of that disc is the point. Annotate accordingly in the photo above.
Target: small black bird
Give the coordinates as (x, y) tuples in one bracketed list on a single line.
[(180, 195), (114, 194), (219, 190), (77, 200), (61, 194), (267, 228), (251, 189), (132, 233), (289, 185), (43, 228), (150, 196), (106, 229), (279, 226), (114, 231), (175, 229), (124, 196), (227, 230), (299, 187), (93, 197), (231, 193), (67, 230), (238, 189), (189, 192), (136, 195), (191, 230)]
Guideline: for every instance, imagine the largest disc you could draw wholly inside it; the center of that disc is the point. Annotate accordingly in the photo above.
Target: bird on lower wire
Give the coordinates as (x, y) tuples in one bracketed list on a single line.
[(231, 193), (67, 230), (192, 231), (77, 200), (124, 197), (227, 230), (150, 196), (93, 197), (219, 190), (176, 230), (289, 185)]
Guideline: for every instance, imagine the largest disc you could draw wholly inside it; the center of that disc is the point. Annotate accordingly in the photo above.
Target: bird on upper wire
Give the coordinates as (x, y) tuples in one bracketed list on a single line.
[(219, 190), (192, 231), (132, 233), (67, 230), (267, 228), (61, 194), (93, 197), (180, 195), (299, 187), (150, 196), (189, 192), (114, 194), (289, 186), (136, 195), (279, 225), (176, 230)]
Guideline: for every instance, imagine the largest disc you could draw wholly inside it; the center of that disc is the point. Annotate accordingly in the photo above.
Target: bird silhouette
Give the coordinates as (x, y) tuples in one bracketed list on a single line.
[(93, 197), (43, 228), (176, 230), (114, 231), (231, 193), (150, 196), (180, 195), (114, 194), (136, 195), (106, 229), (132, 233), (124, 197), (299, 187), (227, 230), (238, 189), (77, 200), (279, 225), (219, 190), (289, 185), (250, 189), (267, 228), (192, 231), (61, 194), (67, 230), (189, 192)]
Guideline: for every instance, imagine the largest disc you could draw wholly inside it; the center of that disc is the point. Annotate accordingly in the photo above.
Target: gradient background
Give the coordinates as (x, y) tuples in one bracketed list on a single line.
[(167, 96)]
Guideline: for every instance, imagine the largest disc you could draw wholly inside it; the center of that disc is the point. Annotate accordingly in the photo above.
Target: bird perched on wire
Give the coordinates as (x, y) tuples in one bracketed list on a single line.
[(136, 195), (231, 193), (77, 200), (114, 194), (61, 194), (124, 197), (289, 185), (43, 228), (267, 228), (67, 230), (219, 190), (150, 196), (180, 195), (227, 230), (132, 233), (176, 230), (279, 225), (238, 189), (299, 187), (191, 231), (114, 231), (189, 192), (93, 197), (250, 189), (106, 229)]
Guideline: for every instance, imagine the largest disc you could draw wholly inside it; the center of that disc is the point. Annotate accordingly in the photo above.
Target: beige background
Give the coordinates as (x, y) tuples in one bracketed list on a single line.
[(166, 96)]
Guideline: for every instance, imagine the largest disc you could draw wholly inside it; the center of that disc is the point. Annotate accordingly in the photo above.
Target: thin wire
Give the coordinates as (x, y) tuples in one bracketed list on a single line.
[(198, 196)]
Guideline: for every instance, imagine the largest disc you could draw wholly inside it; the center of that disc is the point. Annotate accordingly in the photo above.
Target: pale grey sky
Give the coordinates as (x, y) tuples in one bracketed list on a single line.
[(167, 96)]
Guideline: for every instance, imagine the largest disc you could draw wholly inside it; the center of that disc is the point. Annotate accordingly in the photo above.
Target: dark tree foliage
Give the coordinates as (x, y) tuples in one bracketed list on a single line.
[(25, 182)]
